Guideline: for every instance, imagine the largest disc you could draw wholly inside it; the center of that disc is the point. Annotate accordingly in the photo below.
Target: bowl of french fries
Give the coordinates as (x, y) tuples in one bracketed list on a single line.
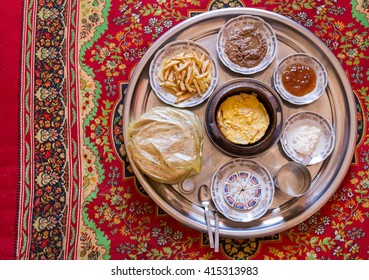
[(183, 74)]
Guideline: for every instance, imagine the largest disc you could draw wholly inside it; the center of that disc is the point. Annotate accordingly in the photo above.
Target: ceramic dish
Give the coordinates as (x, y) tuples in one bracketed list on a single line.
[(265, 95), (168, 52), (265, 34), (306, 60), (242, 190), (324, 146)]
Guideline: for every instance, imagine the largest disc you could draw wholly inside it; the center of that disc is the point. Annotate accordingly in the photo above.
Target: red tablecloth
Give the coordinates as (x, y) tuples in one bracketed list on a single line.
[(67, 190)]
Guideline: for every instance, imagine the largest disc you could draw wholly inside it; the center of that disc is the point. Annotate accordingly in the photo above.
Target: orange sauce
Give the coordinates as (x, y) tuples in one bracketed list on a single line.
[(299, 79)]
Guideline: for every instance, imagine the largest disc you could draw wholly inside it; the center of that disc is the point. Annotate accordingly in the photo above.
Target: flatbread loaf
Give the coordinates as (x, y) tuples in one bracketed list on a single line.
[(166, 144)]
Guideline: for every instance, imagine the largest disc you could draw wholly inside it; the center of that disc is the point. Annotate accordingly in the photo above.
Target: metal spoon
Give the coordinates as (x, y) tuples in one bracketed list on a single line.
[(205, 200), (306, 160), (216, 245)]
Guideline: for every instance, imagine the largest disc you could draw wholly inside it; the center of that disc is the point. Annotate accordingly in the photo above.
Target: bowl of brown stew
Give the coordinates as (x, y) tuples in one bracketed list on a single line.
[(246, 44)]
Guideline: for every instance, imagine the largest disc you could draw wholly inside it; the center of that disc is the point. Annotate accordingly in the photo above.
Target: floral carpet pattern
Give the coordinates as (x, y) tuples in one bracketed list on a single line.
[(78, 197)]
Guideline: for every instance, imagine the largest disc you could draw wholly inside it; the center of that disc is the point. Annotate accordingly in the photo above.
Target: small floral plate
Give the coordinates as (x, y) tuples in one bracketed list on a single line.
[(324, 146), (242, 190), (265, 33), (169, 51), (306, 60)]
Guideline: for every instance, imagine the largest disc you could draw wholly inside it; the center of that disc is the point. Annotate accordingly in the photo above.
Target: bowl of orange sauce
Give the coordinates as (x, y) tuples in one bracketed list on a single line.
[(300, 78)]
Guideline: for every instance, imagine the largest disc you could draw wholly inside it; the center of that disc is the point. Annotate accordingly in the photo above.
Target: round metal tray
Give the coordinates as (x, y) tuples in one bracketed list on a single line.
[(337, 105)]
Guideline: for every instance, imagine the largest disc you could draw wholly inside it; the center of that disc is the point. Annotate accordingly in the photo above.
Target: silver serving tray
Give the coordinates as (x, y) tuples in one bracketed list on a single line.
[(337, 105)]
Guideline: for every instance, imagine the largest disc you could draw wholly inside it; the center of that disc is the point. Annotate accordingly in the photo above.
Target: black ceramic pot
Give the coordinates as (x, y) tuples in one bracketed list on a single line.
[(266, 96)]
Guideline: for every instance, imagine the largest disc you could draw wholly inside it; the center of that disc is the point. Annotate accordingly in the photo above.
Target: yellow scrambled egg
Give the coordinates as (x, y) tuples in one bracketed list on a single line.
[(242, 119)]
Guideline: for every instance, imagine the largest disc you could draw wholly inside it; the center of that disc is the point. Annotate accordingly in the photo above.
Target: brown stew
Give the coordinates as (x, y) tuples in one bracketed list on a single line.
[(245, 46)]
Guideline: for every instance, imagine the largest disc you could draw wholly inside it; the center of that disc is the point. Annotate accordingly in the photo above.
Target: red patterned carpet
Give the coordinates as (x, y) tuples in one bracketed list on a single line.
[(67, 190)]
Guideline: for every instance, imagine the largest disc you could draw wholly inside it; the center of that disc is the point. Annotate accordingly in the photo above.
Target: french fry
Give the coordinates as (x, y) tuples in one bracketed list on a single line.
[(179, 56), (197, 86), (184, 65), (183, 97), (204, 66), (171, 64), (202, 76), (186, 75), (202, 86)]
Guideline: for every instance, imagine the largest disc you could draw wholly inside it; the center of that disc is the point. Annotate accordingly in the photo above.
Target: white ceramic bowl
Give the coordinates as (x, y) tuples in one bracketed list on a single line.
[(242, 190), (169, 51), (265, 33), (324, 146), (306, 60)]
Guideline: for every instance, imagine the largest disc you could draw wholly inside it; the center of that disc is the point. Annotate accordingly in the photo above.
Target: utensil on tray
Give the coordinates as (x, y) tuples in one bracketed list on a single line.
[(306, 160), (216, 245), (204, 196)]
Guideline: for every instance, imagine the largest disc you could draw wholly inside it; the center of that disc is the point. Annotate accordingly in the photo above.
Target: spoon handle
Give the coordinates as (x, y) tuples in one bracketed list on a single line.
[(216, 246), (210, 231)]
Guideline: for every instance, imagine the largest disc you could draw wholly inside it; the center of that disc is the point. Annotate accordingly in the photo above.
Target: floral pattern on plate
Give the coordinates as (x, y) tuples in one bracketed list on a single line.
[(169, 51), (242, 190)]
